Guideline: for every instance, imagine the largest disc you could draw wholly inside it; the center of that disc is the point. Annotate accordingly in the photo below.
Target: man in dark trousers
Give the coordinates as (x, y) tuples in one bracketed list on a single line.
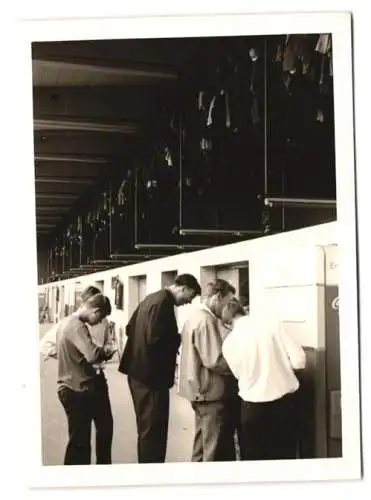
[(149, 360), (103, 419), (79, 384)]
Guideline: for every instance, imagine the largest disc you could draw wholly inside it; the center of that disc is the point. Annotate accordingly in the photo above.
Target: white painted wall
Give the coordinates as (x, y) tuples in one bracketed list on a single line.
[(292, 280), (285, 272)]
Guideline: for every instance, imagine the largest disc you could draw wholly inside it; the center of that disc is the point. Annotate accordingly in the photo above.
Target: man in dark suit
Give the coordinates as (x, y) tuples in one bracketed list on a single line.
[(149, 360)]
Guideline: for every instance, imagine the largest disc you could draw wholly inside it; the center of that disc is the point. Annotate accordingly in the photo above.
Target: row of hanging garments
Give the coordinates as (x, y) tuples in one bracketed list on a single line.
[(82, 234), (220, 120), (309, 56), (224, 125), (122, 212), (220, 114), (297, 53), (234, 98), (158, 181), (107, 225)]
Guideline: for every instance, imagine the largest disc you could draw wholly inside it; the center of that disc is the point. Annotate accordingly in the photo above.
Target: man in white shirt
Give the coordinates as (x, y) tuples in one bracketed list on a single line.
[(103, 419), (263, 358)]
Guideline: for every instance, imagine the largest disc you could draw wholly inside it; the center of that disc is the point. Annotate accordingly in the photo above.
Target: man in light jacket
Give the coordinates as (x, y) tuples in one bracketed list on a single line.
[(206, 380)]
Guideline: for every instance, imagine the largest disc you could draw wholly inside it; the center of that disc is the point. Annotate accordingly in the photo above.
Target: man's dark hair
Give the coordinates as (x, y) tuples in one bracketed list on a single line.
[(219, 286), (189, 281), (90, 291), (107, 306), (101, 302)]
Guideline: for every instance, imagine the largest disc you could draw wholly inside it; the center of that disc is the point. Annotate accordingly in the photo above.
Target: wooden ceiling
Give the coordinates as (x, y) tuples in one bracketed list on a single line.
[(91, 100)]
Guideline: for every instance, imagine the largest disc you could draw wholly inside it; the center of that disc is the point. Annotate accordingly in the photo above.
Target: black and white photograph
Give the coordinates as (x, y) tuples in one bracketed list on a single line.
[(194, 198)]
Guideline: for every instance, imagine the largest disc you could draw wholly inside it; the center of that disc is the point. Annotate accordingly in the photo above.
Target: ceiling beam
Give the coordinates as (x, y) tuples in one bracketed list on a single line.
[(52, 208), (111, 104), (45, 225), (82, 144), (71, 159), (42, 217), (63, 170), (61, 196), (122, 52), (84, 72), (64, 180), (85, 126)]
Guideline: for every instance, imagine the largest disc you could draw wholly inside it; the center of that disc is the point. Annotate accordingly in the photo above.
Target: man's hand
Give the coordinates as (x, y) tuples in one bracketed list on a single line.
[(50, 356), (109, 352)]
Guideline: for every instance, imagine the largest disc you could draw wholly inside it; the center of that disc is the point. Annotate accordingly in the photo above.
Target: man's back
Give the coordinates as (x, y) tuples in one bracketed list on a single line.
[(76, 353), (150, 351), (263, 358)]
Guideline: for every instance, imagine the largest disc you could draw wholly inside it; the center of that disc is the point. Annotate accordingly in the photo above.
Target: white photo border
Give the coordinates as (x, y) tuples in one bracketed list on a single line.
[(347, 467)]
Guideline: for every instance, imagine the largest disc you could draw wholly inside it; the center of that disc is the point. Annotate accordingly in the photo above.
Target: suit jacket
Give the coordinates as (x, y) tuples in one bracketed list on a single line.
[(152, 342)]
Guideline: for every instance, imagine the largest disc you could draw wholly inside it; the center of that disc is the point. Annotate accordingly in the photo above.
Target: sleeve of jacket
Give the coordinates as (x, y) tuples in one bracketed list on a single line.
[(84, 343), (208, 342)]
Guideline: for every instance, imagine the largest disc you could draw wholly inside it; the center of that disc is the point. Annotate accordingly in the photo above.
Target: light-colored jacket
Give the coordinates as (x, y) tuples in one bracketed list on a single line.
[(203, 372)]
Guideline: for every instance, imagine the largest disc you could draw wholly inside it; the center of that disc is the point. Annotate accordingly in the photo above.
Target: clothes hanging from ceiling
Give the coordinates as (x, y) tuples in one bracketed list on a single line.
[(279, 53), (119, 294), (122, 197), (324, 44), (297, 54), (253, 77), (255, 116), (290, 54), (168, 157), (206, 144), (305, 53), (254, 86), (219, 114)]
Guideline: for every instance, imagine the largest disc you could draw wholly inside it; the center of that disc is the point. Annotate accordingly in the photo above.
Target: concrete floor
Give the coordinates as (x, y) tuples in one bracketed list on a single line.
[(54, 424)]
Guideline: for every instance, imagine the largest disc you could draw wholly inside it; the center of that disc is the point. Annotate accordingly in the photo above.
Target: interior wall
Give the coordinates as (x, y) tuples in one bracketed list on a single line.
[(258, 252)]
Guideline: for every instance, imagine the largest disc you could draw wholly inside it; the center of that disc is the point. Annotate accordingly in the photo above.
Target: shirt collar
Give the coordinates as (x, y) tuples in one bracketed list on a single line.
[(207, 309)]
